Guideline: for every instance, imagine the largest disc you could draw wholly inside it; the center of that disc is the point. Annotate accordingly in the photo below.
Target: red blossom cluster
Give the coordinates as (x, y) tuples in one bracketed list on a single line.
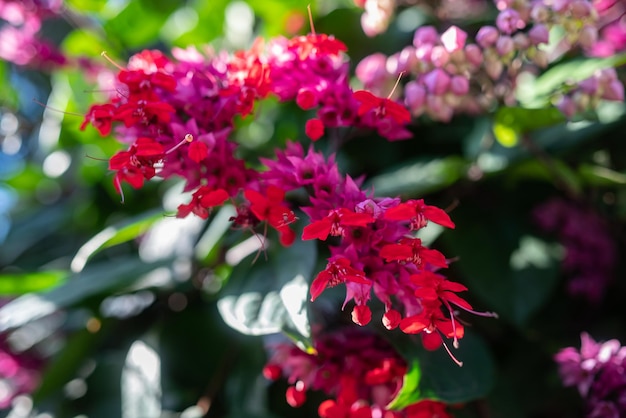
[(359, 371), (176, 115)]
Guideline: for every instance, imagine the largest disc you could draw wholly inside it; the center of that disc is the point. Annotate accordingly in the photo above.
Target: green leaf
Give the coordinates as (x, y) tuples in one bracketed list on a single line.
[(271, 296), (15, 284), (595, 175), (434, 375), (570, 72), (533, 169), (208, 247), (84, 42), (409, 392), (106, 277), (509, 269), (125, 231), (420, 177), (137, 26), (87, 5), (511, 122)]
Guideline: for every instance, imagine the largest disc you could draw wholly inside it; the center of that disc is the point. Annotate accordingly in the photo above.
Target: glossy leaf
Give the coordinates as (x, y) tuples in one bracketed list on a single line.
[(420, 177), (271, 296), (141, 382)]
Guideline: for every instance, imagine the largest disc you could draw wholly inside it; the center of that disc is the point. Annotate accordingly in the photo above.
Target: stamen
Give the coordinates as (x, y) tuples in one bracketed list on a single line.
[(115, 64), (457, 361), (395, 85), (187, 139), (95, 158), (57, 110), (263, 248), (118, 186), (455, 341), (308, 7), (485, 314)]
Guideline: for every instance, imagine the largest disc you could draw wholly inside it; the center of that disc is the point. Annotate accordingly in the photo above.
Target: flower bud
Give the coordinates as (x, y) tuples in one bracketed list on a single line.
[(391, 319), (371, 69), (539, 34), (539, 13), (588, 36), (474, 54), (361, 315), (487, 36), (581, 9), (439, 56), (615, 91), (459, 85), (414, 96), (494, 68), (567, 106), (453, 39), (509, 21), (425, 35), (505, 46), (438, 109), (437, 81), (295, 397)]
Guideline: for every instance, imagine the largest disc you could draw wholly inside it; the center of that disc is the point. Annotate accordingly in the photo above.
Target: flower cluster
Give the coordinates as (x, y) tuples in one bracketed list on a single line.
[(359, 371), (590, 257), (612, 23), (19, 40), (598, 370), (176, 117), (450, 74)]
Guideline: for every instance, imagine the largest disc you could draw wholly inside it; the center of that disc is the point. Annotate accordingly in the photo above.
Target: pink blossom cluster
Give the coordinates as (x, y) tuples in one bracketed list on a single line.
[(598, 370), (588, 93), (359, 371), (612, 24), (19, 33), (590, 251), (176, 117), (378, 14), (19, 373), (451, 73)]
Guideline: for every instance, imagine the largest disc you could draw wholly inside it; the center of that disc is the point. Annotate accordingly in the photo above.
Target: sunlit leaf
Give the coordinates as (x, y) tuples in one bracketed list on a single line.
[(511, 122), (14, 284), (570, 72), (270, 296), (114, 235)]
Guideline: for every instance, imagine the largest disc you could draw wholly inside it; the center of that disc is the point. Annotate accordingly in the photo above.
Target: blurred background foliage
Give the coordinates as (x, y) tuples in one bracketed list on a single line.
[(122, 301)]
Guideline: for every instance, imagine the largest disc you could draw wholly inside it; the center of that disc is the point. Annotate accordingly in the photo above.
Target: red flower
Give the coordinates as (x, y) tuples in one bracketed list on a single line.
[(382, 107), (436, 287), (320, 44), (418, 214), (336, 272), (270, 208), (432, 324), (334, 224), (410, 250), (101, 117), (314, 129), (427, 409), (202, 201), (136, 164), (144, 112), (198, 151)]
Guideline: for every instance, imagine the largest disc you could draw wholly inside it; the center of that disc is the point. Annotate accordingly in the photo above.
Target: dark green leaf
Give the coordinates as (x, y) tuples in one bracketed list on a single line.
[(434, 375), (271, 296), (136, 26), (15, 284), (512, 271), (423, 176)]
